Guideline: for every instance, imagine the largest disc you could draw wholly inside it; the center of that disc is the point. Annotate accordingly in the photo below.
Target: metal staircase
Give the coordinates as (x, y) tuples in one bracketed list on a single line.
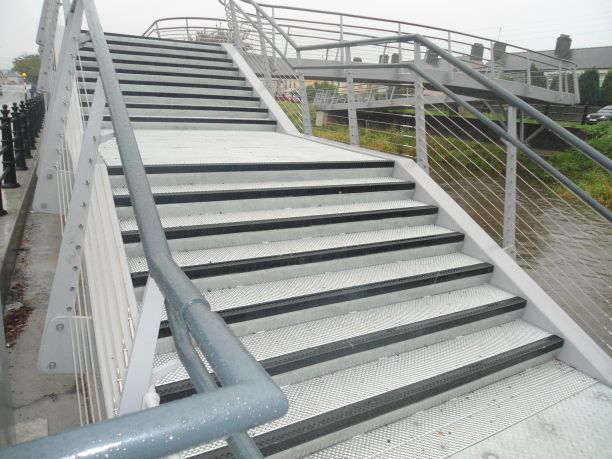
[(176, 85), (393, 325)]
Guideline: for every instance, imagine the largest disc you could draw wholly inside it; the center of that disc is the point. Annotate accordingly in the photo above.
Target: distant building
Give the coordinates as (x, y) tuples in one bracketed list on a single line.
[(599, 57), (11, 78)]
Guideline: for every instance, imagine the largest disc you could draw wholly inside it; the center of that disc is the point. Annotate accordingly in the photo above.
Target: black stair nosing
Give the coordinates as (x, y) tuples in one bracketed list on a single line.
[(115, 34), (139, 278), (175, 84), (161, 64), (257, 167), (203, 108), (354, 345), (310, 429), (173, 74), (178, 95), (169, 56), (169, 47), (188, 120), (271, 192), (261, 310), (283, 223)]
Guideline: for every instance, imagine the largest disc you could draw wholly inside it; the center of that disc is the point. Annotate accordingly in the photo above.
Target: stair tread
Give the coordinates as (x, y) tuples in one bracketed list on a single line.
[(203, 187), (294, 338), (268, 292), (129, 224), (327, 395), (291, 247), (466, 420)]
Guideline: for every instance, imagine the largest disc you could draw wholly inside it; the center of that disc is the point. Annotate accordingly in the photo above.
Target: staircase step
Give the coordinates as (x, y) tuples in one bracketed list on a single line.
[(172, 48), (189, 111), (128, 66), (162, 89), (208, 224), (138, 40), (175, 61), (220, 102), (184, 122), (172, 194), (468, 420), (322, 342), (224, 260), (256, 167), (247, 302), (147, 52), (383, 391), (205, 79)]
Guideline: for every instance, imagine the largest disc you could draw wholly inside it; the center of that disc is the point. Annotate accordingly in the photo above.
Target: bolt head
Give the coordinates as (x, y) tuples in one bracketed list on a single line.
[(49, 176), (43, 205), (52, 365), (59, 327)]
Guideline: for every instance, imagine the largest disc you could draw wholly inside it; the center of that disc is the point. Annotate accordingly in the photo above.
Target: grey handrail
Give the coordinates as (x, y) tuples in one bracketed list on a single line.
[(488, 83), (248, 396), (351, 15)]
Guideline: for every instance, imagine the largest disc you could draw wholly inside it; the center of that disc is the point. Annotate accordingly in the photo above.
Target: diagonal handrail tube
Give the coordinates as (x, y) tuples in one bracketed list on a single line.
[(584, 196), (510, 98), (248, 396)]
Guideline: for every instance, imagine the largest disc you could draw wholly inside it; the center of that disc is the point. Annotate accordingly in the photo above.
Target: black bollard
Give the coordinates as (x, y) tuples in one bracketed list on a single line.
[(20, 160), (8, 157), (24, 130)]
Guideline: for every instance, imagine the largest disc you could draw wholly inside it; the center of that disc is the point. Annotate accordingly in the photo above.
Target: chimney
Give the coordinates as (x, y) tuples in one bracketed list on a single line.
[(563, 48)]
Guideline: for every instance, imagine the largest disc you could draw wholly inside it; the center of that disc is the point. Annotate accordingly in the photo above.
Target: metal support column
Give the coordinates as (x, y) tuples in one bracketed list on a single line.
[(236, 39), (46, 196), (46, 39), (304, 98), (419, 121), (510, 190), (51, 359)]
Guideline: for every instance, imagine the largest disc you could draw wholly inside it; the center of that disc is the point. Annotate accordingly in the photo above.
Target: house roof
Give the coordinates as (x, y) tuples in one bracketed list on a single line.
[(585, 58)]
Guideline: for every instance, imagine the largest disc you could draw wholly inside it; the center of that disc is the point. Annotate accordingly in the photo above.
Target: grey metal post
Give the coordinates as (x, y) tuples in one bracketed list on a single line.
[(560, 86), (509, 243), (304, 98), (528, 69), (450, 51), (351, 102), (492, 60), (264, 56), (235, 29), (419, 120), (46, 196)]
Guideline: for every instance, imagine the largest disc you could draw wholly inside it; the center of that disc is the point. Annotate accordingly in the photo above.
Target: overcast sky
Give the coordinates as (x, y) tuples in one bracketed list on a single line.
[(534, 24)]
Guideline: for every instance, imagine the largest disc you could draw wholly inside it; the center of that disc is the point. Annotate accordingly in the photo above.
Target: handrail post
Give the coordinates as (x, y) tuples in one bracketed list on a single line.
[(528, 69), (351, 102), (450, 51), (264, 56), (560, 85), (235, 29), (304, 98), (400, 47), (8, 156), (509, 242), (419, 118), (576, 85), (492, 59)]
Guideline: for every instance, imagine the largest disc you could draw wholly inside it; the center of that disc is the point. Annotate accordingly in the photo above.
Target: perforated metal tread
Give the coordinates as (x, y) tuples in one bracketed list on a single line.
[(464, 421), (226, 260), (203, 224), (336, 401), (248, 186), (231, 192), (287, 348)]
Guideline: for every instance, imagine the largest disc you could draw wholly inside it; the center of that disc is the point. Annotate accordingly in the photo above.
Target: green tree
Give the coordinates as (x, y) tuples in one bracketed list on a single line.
[(589, 87), (321, 85), (568, 78), (537, 77), (28, 63), (606, 89)]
